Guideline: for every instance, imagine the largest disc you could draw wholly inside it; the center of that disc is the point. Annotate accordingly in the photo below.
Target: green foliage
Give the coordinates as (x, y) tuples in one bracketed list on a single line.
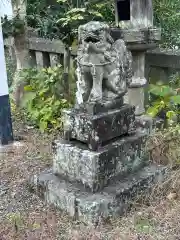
[(167, 16), (71, 14), (43, 17), (12, 27), (165, 100), (61, 19), (71, 19), (36, 10), (44, 97)]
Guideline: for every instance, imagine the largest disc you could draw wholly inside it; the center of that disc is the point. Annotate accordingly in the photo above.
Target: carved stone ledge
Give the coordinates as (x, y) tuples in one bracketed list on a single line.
[(96, 129), (94, 208), (155, 34), (100, 107), (94, 170), (136, 35)]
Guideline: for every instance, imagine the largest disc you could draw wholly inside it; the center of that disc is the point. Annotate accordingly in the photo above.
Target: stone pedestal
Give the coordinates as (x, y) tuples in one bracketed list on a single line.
[(100, 165), (95, 169), (92, 208), (95, 130)]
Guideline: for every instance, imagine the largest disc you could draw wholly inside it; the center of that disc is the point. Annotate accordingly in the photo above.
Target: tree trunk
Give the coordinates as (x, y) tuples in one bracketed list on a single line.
[(67, 58), (21, 52)]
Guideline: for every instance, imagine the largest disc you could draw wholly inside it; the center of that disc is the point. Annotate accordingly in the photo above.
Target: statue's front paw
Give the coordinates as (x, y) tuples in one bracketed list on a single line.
[(94, 97)]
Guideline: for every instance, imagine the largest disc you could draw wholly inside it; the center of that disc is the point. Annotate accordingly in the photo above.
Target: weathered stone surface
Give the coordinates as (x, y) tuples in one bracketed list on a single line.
[(95, 169), (103, 65), (101, 106), (54, 190), (96, 129), (145, 124), (132, 36), (92, 208)]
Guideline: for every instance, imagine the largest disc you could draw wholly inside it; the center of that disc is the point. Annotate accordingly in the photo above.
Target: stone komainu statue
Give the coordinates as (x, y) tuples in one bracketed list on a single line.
[(104, 66)]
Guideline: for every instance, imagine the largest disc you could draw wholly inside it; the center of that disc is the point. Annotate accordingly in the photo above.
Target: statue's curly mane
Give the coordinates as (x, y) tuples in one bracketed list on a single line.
[(100, 59)]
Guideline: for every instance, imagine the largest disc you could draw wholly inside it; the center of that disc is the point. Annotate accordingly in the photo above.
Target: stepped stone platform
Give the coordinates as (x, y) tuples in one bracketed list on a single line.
[(94, 185), (113, 201), (94, 169)]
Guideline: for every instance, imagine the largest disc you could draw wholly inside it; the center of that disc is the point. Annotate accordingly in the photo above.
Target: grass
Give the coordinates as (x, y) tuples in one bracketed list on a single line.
[(164, 146)]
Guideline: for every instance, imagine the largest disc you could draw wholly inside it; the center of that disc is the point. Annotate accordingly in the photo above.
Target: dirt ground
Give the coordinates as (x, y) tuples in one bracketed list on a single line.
[(24, 216)]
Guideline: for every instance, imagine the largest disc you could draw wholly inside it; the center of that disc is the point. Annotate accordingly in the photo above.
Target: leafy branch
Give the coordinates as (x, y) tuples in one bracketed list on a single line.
[(13, 27), (165, 102)]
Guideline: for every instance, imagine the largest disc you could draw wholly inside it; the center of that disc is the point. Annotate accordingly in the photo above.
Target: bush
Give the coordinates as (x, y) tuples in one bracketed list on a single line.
[(166, 16), (44, 97), (165, 102)]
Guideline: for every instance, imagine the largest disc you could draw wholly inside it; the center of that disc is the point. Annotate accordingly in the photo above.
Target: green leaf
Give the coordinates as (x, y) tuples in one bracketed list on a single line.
[(62, 1), (43, 125), (57, 103), (152, 111), (76, 10), (161, 91), (95, 13), (28, 88), (62, 20), (54, 121), (43, 91), (35, 114), (63, 101), (175, 99), (29, 96), (80, 17), (170, 114)]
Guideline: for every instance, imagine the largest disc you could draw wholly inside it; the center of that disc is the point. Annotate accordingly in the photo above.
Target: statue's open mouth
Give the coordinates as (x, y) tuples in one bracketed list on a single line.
[(91, 38)]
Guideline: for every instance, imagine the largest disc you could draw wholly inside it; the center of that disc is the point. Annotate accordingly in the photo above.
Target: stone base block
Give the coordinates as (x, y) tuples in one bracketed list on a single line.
[(145, 124), (101, 106), (97, 129), (148, 124), (87, 207), (75, 162)]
